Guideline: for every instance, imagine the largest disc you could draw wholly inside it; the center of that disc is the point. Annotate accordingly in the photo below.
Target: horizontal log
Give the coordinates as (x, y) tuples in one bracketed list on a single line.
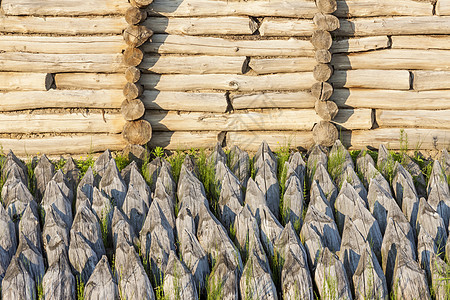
[(421, 42), (418, 138), (202, 26), (180, 44), (201, 8), (390, 99), (194, 64), (431, 80), (184, 140), (63, 44), (353, 119), (61, 123), (394, 59), (372, 79), (349, 45), (414, 118), (186, 121), (11, 81), (63, 25), (11, 101), (286, 27), (394, 26), (55, 63), (369, 8), (89, 81), (282, 65), (243, 83), (179, 101), (443, 8), (272, 100), (64, 7), (251, 140), (59, 145)]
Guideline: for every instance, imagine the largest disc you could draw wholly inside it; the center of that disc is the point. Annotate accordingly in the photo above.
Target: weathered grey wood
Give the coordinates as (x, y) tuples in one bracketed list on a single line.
[(366, 8), (286, 27), (281, 65), (134, 15), (413, 118), (18, 282), (8, 241), (431, 80), (101, 283), (348, 45), (323, 56), (322, 72), (58, 281), (421, 42), (135, 35), (178, 280), (375, 79), (326, 22), (89, 81), (322, 90), (326, 6), (321, 39)]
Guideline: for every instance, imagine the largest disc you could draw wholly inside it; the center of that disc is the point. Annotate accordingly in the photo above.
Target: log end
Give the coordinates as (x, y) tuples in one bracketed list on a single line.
[(135, 36), (132, 74), (325, 134), (132, 109), (132, 56), (132, 90), (134, 15), (326, 6), (137, 132), (141, 3), (321, 39), (322, 90), (322, 72), (327, 110)]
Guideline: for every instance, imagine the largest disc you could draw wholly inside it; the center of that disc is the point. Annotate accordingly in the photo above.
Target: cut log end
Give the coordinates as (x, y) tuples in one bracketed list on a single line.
[(326, 22), (322, 90), (321, 39), (133, 56), (132, 90), (141, 3), (135, 36), (326, 6), (137, 132), (323, 56), (132, 109), (327, 110), (323, 72), (325, 134), (134, 15), (132, 74)]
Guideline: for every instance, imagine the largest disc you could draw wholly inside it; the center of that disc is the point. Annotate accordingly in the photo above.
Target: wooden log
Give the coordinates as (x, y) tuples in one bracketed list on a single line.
[(194, 64), (135, 35), (63, 7), (421, 42), (251, 140), (180, 101), (394, 59), (185, 140), (61, 123), (367, 8), (353, 119), (272, 100), (326, 6), (391, 99), (212, 8), (134, 15), (326, 22), (282, 65), (11, 81), (443, 8), (322, 90), (107, 98), (414, 118), (58, 63), (327, 110), (348, 45), (132, 74), (321, 39), (62, 25), (431, 80), (322, 72), (202, 26), (89, 81), (323, 56), (418, 138), (137, 132), (325, 134), (133, 56), (286, 27), (179, 44), (141, 3), (394, 26), (132, 90), (59, 145), (186, 121), (62, 44), (372, 79), (132, 109), (242, 83)]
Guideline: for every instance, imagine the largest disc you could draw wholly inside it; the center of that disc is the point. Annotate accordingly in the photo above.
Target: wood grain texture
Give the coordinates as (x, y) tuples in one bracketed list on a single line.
[(89, 81), (282, 65), (180, 101), (434, 119), (443, 8), (286, 27), (272, 100), (421, 42), (16, 81), (348, 45), (371, 8), (431, 80), (184, 140), (372, 79), (251, 140)]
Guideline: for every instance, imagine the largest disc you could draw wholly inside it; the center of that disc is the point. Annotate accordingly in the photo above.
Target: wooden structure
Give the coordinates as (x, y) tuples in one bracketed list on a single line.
[(98, 74)]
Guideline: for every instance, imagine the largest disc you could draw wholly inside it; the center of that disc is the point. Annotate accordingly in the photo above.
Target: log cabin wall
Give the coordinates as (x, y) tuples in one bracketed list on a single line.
[(235, 72)]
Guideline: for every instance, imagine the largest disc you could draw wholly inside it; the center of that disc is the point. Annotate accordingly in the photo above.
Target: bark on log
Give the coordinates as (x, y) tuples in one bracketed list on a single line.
[(367, 8), (179, 101), (421, 42), (107, 98), (272, 100), (348, 45), (11, 81), (391, 99), (286, 27), (134, 15), (132, 90), (326, 6), (61, 123), (414, 118), (89, 81), (322, 90), (62, 145), (394, 59), (56, 63), (372, 79), (137, 132), (63, 25), (133, 56), (135, 35), (243, 83), (132, 74), (194, 64), (321, 39), (251, 140), (282, 65), (322, 72), (202, 26), (431, 80), (179, 44), (323, 56), (181, 140), (132, 109), (141, 3), (443, 8), (326, 22)]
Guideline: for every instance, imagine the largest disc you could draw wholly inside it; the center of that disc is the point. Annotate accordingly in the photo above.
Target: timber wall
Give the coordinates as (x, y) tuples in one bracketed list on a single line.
[(229, 71)]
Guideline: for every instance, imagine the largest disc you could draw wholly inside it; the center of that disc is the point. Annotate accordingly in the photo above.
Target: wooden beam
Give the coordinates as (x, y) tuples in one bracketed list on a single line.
[(353, 119), (443, 7), (272, 100), (11, 101), (180, 101), (89, 81), (372, 79), (431, 80), (12, 81), (184, 140), (251, 140), (286, 27), (414, 118), (421, 42), (200, 45), (58, 145), (390, 99), (348, 45), (394, 59), (367, 8), (282, 65)]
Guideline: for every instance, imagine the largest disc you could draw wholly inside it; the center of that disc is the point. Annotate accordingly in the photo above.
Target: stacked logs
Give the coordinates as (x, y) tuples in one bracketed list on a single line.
[(324, 133), (136, 130)]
